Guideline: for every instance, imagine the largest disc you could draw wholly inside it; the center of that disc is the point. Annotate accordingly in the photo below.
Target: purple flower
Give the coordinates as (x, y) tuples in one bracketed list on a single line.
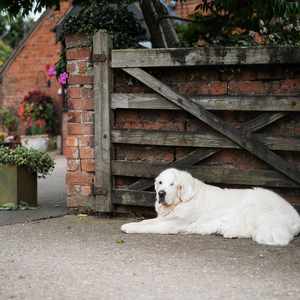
[(51, 71), (63, 77)]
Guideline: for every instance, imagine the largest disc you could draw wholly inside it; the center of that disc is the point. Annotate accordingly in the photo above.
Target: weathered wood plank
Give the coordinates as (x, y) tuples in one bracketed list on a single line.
[(134, 198), (131, 58), (249, 143), (190, 139), (146, 199), (241, 103), (210, 174), (188, 160), (261, 121), (201, 154), (102, 89)]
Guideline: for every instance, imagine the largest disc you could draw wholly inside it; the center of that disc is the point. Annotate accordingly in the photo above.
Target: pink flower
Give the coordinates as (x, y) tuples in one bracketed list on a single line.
[(51, 71), (63, 77)]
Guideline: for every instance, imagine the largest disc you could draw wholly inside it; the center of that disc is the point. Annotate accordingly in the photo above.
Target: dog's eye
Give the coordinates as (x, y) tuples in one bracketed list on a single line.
[(159, 182), (172, 183)]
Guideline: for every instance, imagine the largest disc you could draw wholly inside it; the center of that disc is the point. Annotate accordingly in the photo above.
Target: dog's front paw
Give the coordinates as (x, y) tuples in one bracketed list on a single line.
[(127, 228)]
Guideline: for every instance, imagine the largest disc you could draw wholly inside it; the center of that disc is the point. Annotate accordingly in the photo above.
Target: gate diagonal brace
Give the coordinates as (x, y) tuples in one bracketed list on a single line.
[(249, 143)]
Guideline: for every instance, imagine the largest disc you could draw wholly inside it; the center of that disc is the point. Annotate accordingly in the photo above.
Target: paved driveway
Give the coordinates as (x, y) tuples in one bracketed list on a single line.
[(89, 258)]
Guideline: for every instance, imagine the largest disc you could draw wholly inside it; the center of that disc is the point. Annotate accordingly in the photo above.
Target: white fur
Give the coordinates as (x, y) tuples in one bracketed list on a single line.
[(195, 207)]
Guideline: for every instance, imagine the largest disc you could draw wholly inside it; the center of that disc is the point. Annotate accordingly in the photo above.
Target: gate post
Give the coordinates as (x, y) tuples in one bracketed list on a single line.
[(102, 45)]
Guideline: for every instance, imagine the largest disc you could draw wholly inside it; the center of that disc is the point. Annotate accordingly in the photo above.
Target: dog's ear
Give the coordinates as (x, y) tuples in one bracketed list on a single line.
[(185, 186)]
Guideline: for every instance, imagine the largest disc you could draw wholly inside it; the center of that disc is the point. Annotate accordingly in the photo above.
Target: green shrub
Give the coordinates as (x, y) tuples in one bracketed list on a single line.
[(36, 161), (110, 15)]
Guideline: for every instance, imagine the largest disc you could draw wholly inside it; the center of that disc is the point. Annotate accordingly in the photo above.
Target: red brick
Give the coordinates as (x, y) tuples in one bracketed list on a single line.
[(72, 68), (78, 53), (86, 152), (80, 79), (86, 190), (88, 165), (87, 93), (88, 117), (144, 153), (80, 178), (74, 92), (80, 129), (77, 67), (71, 141), (202, 88), (289, 87), (73, 164), (130, 119), (247, 88), (71, 152), (79, 104), (86, 141), (75, 117), (75, 40)]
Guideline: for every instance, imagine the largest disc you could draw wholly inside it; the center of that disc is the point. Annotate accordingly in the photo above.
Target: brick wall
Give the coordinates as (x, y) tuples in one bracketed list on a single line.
[(26, 71), (79, 143)]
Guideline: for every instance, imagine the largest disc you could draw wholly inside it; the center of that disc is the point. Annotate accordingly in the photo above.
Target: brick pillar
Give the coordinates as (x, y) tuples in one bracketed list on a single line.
[(79, 140)]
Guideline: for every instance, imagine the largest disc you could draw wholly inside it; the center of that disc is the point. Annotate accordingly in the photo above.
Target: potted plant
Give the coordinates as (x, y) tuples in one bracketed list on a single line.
[(38, 112), (19, 169)]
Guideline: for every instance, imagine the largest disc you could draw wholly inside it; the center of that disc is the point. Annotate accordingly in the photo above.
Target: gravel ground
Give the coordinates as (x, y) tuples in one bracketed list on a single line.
[(76, 257)]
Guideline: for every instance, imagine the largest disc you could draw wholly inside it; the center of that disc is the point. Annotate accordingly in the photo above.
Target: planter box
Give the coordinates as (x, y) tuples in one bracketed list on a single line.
[(17, 184)]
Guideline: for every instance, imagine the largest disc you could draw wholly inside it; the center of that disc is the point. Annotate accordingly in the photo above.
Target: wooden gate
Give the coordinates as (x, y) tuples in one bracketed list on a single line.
[(279, 171)]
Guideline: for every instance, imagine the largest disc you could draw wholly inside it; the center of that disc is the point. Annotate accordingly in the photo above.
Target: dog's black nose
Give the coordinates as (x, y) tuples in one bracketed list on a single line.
[(161, 195)]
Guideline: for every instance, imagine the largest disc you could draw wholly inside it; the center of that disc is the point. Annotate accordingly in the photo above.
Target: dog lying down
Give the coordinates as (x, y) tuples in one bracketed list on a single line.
[(187, 205)]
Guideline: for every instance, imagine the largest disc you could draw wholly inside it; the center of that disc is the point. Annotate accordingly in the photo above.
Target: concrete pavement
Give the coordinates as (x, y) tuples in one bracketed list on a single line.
[(89, 258)]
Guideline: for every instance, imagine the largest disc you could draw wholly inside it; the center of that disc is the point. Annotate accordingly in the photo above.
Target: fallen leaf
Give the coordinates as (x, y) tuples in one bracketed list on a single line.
[(82, 215)]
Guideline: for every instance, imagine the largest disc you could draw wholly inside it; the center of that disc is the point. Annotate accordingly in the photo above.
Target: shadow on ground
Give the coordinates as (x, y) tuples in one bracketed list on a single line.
[(51, 198)]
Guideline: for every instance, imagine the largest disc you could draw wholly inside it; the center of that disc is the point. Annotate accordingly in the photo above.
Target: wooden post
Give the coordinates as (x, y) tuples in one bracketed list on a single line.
[(102, 44)]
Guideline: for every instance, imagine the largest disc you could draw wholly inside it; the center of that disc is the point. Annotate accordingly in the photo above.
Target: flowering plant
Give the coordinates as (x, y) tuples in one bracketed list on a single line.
[(37, 110), (59, 71)]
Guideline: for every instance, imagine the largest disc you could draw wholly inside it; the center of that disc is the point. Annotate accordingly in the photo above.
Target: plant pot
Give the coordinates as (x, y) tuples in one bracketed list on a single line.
[(17, 185), (38, 142)]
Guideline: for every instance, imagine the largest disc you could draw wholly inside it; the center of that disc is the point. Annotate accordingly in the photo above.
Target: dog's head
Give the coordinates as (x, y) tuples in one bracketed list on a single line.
[(173, 186)]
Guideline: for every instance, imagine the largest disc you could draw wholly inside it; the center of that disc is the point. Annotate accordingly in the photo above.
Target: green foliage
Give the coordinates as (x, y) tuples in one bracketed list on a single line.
[(243, 23), (8, 119), (245, 9), (24, 7), (61, 65), (13, 30), (37, 161), (5, 51), (112, 16)]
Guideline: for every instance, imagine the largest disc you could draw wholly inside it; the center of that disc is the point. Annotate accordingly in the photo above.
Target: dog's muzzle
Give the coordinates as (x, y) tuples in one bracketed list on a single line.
[(161, 197)]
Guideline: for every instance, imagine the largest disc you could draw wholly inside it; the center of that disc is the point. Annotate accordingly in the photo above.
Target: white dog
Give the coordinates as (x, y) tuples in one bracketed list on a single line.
[(187, 205)]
